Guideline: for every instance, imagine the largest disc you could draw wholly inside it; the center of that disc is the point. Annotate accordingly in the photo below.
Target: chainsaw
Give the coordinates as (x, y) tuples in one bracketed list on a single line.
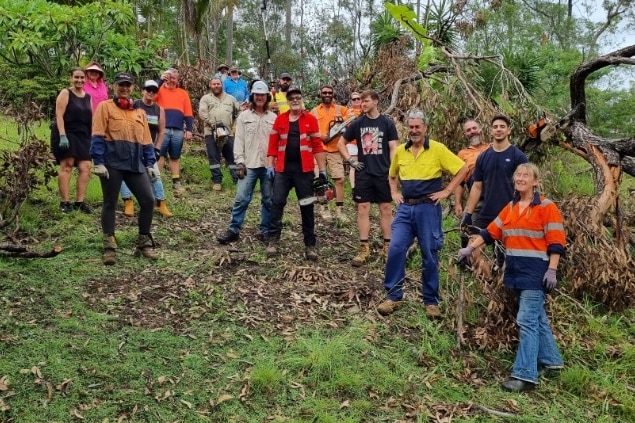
[(323, 192), (337, 128)]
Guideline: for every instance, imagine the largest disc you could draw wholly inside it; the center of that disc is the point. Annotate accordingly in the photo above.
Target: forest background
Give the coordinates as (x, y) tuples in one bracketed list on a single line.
[(226, 334)]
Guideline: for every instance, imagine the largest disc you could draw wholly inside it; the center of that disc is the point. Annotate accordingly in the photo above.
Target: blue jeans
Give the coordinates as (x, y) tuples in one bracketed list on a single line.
[(244, 193), (172, 143), (157, 188), (424, 222), (536, 344)]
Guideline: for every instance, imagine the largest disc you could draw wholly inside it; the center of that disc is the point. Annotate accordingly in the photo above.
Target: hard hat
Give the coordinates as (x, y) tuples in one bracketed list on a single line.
[(259, 87)]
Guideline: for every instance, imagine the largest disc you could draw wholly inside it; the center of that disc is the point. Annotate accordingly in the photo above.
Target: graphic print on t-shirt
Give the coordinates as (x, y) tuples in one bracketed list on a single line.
[(371, 140)]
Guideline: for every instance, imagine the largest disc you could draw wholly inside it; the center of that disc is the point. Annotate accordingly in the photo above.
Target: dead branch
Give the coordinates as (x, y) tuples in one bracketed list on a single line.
[(22, 252), (495, 412)]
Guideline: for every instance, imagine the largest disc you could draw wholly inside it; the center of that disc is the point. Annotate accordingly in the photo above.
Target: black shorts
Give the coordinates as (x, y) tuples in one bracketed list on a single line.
[(371, 188)]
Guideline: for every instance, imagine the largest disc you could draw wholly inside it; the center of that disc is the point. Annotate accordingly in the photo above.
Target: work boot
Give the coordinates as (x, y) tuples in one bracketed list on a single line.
[(272, 247), (339, 215), (325, 213), (388, 306), (432, 311), (384, 251), (144, 247), (82, 207), (110, 245), (162, 208), (311, 253), (128, 207), (227, 237), (363, 255)]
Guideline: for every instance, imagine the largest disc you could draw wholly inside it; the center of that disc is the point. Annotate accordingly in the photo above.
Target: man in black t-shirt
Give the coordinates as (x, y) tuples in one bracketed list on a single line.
[(377, 140)]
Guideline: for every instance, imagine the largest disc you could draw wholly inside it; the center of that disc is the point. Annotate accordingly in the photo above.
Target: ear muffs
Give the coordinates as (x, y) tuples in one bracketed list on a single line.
[(124, 103)]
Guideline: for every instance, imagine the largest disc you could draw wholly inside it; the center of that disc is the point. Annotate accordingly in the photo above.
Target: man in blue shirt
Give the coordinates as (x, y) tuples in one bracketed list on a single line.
[(236, 86)]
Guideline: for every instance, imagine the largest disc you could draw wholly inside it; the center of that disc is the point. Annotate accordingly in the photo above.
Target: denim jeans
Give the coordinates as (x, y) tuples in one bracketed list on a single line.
[(157, 188), (244, 193), (424, 222), (172, 143), (536, 343), (213, 157)]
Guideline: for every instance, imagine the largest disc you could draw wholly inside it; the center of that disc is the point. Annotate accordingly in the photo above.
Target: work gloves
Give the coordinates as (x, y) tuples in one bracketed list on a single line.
[(549, 281), (323, 177), (466, 221), (153, 174), (241, 170), (270, 172), (157, 154), (355, 164), (101, 171), (464, 254), (63, 142)]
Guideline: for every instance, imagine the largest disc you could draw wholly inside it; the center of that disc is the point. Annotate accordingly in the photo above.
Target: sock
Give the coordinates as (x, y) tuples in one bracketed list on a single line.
[(339, 204), (386, 241)]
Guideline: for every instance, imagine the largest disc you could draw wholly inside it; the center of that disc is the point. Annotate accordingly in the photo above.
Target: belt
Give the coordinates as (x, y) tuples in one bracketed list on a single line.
[(174, 129), (420, 200)]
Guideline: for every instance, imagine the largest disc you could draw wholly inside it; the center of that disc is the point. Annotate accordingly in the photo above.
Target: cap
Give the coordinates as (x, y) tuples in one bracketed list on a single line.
[(150, 83), (285, 75), (95, 67), (294, 89), (123, 77), (259, 87), (222, 66)]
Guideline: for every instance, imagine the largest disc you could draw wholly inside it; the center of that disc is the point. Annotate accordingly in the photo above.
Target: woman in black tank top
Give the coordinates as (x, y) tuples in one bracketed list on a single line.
[(70, 140)]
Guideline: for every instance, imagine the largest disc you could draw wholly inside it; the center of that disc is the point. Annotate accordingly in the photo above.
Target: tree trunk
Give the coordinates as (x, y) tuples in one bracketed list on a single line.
[(230, 34)]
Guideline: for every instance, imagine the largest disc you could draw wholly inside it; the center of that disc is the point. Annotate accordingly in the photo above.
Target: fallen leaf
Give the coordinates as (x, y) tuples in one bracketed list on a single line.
[(223, 398)]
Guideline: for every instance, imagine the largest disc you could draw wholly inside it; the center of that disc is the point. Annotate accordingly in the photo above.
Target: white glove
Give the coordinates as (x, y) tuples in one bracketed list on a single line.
[(153, 174), (101, 171)]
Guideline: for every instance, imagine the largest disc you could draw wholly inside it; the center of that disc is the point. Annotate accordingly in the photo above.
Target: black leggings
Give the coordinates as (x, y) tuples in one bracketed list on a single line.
[(139, 184)]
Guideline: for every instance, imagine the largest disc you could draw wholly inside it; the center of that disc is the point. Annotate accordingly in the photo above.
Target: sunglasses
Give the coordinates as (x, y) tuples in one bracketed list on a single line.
[(295, 98), (327, 92), (356, 99), (152, 90)]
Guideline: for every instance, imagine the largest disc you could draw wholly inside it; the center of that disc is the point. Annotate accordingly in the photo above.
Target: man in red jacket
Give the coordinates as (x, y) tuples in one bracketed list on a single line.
[(293, 145)]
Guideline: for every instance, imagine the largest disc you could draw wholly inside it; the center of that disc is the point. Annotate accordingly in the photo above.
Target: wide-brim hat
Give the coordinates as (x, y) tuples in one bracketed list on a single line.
[(222, 66), (234, 68)]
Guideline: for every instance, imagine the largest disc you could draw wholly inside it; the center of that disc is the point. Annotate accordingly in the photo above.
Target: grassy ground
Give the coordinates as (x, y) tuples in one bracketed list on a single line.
[(225, 334)]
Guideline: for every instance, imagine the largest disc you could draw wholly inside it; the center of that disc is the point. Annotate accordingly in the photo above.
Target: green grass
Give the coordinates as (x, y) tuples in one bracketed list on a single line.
[(173, 340)]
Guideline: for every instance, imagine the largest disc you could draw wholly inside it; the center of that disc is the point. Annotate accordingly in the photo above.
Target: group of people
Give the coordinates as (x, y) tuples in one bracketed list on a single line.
[(268, 137)]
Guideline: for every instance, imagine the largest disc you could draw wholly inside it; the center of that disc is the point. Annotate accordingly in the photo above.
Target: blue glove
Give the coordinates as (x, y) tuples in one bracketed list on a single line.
[(467, 220), (63, 142), (270, 172), (323, 177), (549, 281)]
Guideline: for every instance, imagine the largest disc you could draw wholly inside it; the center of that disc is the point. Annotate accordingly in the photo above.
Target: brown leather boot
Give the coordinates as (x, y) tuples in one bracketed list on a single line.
[(145, 245), (363, 255), (384, 251), (110, 245), (162, 208), (128, 207)]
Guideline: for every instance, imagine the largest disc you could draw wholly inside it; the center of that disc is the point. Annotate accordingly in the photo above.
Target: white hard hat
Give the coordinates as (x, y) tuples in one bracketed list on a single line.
[(259, 87)]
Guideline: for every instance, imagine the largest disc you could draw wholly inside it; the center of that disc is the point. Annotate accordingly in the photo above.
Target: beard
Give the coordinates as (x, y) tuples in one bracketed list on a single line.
[(475, 140)]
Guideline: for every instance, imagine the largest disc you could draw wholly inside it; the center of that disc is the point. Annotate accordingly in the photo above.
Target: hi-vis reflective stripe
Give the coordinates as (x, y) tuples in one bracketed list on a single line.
[(517, 252), (284, 136), (273, 131), (523, 232), (306, 148), (554, 227), (315, 135)]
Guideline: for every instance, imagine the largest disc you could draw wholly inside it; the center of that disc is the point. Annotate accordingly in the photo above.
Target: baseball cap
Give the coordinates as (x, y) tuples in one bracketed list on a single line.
[(294, 89), (285, 75), (150, 83), (123, 77)]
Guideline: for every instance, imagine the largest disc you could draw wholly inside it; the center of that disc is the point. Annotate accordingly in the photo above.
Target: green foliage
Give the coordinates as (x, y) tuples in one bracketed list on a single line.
[(43, 41), (384, 30)]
